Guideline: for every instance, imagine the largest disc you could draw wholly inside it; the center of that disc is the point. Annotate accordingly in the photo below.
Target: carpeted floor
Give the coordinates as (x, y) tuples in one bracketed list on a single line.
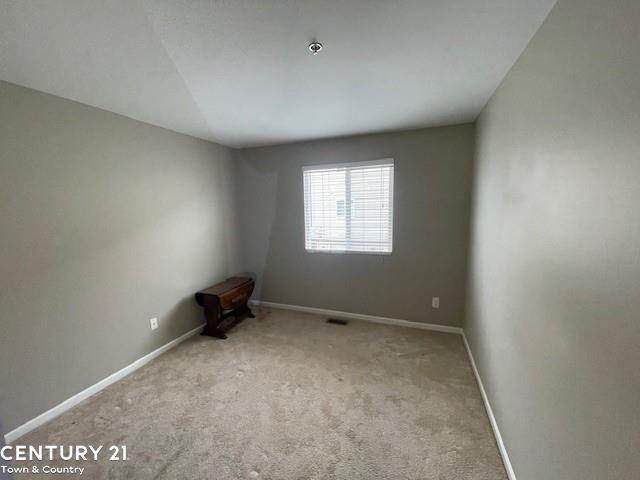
[(289, 396)]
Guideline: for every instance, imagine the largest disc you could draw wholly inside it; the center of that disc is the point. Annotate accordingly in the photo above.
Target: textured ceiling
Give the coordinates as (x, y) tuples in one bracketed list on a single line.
[(238, 72)]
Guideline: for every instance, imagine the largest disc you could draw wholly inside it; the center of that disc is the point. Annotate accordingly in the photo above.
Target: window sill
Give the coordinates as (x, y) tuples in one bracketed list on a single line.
[(347, 252)]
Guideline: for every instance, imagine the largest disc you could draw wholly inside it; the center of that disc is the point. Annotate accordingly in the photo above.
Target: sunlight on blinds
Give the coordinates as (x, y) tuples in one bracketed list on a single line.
[(349, 207)]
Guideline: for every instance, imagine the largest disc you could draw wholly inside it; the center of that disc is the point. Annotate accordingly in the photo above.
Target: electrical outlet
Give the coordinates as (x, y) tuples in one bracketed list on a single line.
[(154, 323), (435, 302)]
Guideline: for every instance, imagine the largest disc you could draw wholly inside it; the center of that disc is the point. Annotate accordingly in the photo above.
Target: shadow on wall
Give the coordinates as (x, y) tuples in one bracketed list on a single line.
[(256, 204)]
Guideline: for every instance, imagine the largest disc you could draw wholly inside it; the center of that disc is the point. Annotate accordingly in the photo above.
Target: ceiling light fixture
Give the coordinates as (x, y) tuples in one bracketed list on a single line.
[(315, 47)]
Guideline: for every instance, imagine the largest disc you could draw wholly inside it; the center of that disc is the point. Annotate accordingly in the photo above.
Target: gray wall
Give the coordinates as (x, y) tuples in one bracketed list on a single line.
[(554, 292), (106, 222), (431, 223)]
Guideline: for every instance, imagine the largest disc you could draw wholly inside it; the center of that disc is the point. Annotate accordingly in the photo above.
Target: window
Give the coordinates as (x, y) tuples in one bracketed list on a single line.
[(349, 207)]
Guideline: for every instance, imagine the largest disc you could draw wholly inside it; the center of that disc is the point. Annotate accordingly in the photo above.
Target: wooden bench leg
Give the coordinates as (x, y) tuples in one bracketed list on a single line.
[(248, 312), (217, 333), (213, 315)]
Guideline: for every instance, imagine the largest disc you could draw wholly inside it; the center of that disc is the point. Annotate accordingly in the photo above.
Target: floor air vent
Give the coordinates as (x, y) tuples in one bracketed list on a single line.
[(337, 321)]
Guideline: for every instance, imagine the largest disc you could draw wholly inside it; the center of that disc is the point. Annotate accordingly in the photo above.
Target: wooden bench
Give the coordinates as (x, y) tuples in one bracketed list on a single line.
[(225, 304)]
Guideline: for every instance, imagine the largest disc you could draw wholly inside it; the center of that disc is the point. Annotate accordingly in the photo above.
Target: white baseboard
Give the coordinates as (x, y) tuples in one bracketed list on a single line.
[(492, 419), (359, 316), (93, 389)]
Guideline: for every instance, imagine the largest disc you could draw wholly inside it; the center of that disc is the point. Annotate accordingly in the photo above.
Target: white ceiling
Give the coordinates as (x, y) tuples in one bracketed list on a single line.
[(238, 72)]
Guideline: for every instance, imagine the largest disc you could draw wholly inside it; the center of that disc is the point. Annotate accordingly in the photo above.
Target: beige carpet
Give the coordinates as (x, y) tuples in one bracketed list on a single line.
[(288, 396)]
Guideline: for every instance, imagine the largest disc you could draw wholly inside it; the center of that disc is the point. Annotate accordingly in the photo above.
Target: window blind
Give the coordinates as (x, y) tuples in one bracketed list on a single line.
[(349, 207)]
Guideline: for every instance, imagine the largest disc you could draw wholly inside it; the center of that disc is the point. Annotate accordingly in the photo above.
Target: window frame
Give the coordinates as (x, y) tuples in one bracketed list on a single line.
[(328, 166)]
